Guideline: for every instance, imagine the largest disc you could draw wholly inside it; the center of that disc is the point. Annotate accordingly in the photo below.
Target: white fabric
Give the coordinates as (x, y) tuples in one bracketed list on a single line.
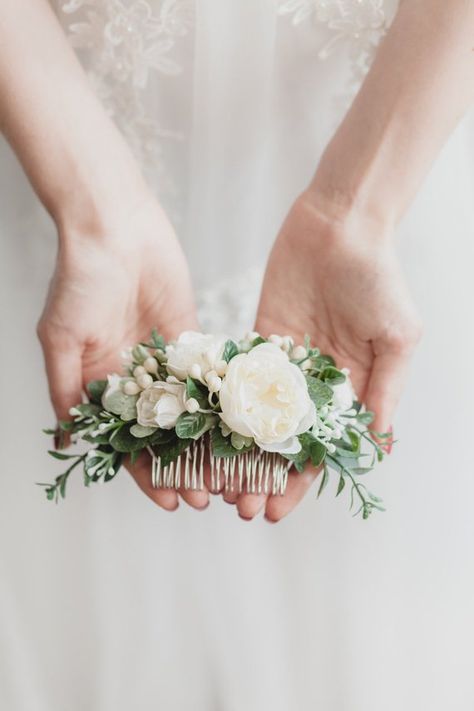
[(107, 603)]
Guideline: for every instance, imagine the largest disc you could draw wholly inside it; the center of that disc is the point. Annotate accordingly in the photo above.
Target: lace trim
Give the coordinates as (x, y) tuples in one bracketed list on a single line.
[(122, 43), (359, 23)]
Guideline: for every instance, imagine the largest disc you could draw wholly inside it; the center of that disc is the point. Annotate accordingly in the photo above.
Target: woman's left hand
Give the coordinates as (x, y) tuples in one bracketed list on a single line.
[(339, 281)]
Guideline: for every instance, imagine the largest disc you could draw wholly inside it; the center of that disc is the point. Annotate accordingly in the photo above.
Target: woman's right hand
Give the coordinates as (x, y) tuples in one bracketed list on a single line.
[(112, 284)]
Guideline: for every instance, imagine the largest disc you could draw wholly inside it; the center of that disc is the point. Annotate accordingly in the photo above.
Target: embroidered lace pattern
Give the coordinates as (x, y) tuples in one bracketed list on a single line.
[(122, 43), (357, 24)]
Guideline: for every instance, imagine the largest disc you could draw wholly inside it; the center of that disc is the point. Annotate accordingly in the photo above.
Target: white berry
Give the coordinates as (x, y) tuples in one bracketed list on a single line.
[(139, 370), (150, 365), (299, 352), (221, 367), (192, 405), (195, 371), (214, 384), (276, 340), (131, 388), (144, 380)]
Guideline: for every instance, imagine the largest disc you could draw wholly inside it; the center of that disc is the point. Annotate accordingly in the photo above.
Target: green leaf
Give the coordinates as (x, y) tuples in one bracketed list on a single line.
[(230, 350), (157, 341), (88, 409), (140, 431), (124, 441), (60, 455), (317, 452), (134, 456), (324, 480), (49, 431), (240, 442), (193, 425), (66, 425), (161, 437), (341, 485), (319, 392), (222, 446), (354, 440), (365, 417), (257, 341), (95, 390), (170, 451), (333, 375), (198, 391)]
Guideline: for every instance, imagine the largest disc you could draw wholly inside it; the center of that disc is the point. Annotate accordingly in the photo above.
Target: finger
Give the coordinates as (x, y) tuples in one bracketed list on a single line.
[(141, 471), (231, 495), (278, 506), (197, 499), (64, 371), (249, 505), (384, 388)]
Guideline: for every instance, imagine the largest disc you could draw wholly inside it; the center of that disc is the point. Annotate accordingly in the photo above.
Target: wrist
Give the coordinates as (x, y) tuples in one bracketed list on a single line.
[(341, 216)]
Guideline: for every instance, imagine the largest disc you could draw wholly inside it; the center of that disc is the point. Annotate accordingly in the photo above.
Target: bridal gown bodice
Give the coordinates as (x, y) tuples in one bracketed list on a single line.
[(109, 604)]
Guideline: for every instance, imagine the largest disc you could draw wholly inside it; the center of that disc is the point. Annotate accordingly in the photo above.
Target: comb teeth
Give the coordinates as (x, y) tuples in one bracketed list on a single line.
[(254, 472)]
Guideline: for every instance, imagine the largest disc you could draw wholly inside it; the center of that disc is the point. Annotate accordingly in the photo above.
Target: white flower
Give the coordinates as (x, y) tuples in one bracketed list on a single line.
[(343, 396), (161, 404), (264, 396), (194, 349)]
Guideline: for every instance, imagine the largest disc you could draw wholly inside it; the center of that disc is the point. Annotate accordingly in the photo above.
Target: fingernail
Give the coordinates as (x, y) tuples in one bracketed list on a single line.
[(245, 518), (269, 520)]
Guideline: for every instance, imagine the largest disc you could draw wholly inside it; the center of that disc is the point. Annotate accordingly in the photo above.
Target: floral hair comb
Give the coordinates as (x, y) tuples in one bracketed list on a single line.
[(245, 412)]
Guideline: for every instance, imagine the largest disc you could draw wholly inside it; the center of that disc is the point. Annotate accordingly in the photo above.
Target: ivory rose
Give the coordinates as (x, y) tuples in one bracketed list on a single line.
[(193, 348), (161, 404), (264, 396)]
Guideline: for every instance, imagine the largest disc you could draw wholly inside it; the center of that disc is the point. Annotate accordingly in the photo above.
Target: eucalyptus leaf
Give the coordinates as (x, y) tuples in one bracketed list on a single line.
[(230, 350), (198, 391), (341, 485), (333, 375), (319, 392), (194, 425), (170, 451), (95, 390), (141, 431)]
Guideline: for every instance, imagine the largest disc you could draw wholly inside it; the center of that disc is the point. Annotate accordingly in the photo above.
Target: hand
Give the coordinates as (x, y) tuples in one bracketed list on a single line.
[(109, 288), (339, 281)]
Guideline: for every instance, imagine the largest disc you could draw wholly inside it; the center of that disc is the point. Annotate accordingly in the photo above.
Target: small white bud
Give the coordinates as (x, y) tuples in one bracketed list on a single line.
[(287, 344), (150, 365), (221, 367), (130, 388), (214, 384), (299, 352), (306, 364), (276, 340), (195, 371), (192, 405), (144, 380), (139, 370), (251, 335), (210, 375), (73, 411), (331, 448)]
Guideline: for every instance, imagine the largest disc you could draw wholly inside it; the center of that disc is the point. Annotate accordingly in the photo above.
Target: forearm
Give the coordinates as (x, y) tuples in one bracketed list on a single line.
[(420, 85), (72, 153)]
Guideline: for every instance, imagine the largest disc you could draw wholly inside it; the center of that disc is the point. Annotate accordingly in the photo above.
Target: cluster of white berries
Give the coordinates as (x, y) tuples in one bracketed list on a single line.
[(296, 353), (143, 376), (211, 378)]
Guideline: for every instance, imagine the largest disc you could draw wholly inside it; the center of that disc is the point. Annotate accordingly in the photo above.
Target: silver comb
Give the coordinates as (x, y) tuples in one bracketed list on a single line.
[(254, 472)]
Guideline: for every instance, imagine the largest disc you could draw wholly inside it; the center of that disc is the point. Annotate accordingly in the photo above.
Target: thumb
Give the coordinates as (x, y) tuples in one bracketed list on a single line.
[(384, 388)]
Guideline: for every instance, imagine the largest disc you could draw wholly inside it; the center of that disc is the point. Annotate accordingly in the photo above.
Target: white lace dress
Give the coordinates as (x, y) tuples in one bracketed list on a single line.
[(107, 603)]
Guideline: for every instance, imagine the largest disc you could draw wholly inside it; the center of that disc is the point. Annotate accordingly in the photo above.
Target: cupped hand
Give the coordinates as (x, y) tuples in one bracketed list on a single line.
[(112, 284), (340, 282)]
